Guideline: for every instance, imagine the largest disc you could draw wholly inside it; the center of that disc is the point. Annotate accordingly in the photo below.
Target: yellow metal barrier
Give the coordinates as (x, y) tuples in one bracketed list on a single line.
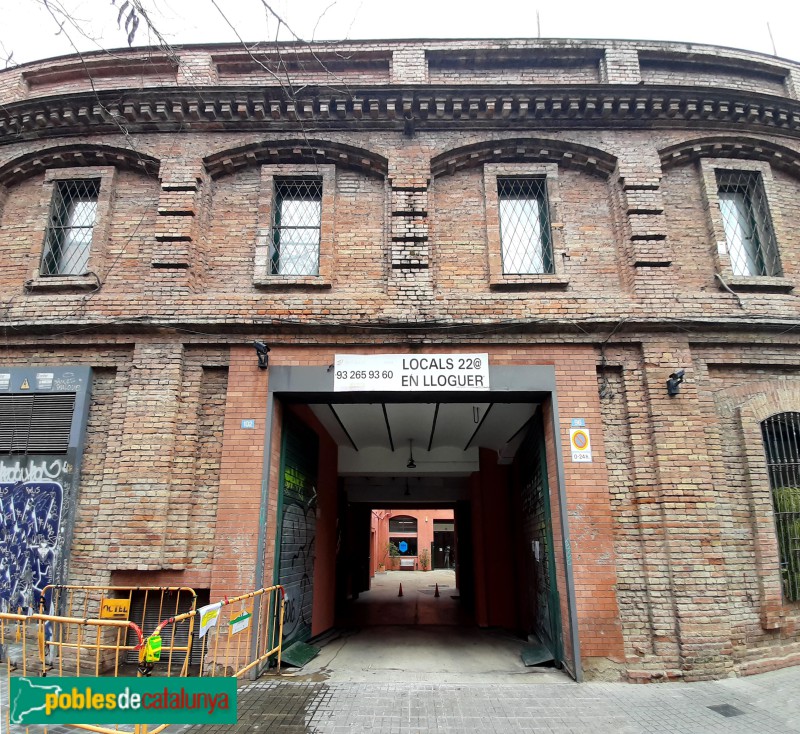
[(245, 637), (240, 634), (24, 651), (145, 606)]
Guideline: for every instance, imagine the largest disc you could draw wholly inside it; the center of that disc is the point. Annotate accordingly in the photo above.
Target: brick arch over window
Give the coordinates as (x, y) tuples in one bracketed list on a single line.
[(522, 150), (720, 146), (72, 156), (761, 401), (742, 201), (306, 152)]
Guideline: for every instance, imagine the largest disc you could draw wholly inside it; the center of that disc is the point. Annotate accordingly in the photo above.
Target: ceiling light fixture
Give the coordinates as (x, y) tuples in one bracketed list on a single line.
[(411, 463)]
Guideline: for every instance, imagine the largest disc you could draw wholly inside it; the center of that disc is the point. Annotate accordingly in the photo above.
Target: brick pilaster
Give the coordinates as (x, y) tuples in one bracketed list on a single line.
[(621, 66), (409, 66), (138, 493), (410, 281), (196, 69), (644, 224), (176, 229), (792, 83), (181, 496), (693, 546)]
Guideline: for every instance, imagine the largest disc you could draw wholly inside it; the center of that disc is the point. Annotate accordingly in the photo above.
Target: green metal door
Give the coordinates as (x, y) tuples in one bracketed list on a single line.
[(544, 612), (295, 542)]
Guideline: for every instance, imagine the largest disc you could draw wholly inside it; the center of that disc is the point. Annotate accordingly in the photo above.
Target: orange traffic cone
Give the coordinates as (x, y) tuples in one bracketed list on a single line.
[(436, 593), (400, 593)]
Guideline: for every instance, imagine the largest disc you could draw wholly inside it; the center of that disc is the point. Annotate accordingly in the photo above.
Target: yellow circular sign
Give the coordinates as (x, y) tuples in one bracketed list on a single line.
[(580, 440)]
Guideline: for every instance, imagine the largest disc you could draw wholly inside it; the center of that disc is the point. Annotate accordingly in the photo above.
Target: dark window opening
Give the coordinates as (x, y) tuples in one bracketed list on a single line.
[(406, 546), (781, 435), (402, 524), (149, 608)]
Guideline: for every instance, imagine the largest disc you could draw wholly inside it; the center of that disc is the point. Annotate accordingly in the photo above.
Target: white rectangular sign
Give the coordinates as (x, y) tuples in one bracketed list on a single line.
[(410, 372), (581, 444)]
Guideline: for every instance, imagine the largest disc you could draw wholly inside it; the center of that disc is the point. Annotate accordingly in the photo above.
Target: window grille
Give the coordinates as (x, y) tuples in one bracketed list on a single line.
[(525, 225), (68, 240), (748, 227), (781, 434), (297, 214), (36, 423)]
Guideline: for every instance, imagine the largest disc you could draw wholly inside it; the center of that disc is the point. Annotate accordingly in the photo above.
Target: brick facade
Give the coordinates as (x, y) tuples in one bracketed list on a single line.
[(673, 546)]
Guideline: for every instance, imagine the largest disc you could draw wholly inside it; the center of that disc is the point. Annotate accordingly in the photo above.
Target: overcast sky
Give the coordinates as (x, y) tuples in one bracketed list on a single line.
[(29, 32)]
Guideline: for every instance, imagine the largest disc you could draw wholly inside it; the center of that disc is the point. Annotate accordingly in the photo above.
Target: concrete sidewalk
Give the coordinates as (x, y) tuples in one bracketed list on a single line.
[(753, 705), (415, 678), (413, 668)]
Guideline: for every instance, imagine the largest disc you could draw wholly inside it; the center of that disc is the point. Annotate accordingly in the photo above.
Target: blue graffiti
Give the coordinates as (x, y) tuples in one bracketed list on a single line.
[(30, 521)]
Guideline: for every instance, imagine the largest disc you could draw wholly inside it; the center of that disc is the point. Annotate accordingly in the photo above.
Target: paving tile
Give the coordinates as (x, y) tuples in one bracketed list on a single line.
[(768, 704)]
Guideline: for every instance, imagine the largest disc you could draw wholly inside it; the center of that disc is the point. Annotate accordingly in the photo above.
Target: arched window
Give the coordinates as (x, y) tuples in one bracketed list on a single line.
[(402, 535), (402, 524), (781, 434)]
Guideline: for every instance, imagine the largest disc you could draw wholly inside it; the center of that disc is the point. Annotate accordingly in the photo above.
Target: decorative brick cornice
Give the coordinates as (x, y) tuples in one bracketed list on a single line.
[(309, 151), (396, 108), (69, 156)]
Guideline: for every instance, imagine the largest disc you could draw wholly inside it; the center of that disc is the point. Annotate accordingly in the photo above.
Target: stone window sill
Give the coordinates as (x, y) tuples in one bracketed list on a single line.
[(509, 282), (292, 281), (62, 283), (763, 283)]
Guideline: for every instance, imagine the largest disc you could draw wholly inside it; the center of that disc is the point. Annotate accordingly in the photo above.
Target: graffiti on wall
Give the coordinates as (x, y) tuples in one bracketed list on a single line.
[(297, 527), (298, 534), (31, 543)]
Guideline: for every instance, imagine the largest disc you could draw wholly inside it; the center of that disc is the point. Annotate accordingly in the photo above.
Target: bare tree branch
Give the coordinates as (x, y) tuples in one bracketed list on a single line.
[(319, 20), (7, 57)]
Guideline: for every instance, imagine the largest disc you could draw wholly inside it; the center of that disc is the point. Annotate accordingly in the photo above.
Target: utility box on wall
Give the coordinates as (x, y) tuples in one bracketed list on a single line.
[(43, 414)]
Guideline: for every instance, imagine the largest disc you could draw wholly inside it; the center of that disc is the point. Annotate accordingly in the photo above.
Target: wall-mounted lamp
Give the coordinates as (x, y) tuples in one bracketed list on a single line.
[(411, 463), (674, 382), (262, 352)]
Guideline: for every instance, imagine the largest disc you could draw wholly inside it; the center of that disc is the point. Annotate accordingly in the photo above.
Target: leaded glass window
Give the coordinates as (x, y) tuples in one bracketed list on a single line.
[(68, 239), (296, 222), (781, 435), (524, 225), (748, 228)]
